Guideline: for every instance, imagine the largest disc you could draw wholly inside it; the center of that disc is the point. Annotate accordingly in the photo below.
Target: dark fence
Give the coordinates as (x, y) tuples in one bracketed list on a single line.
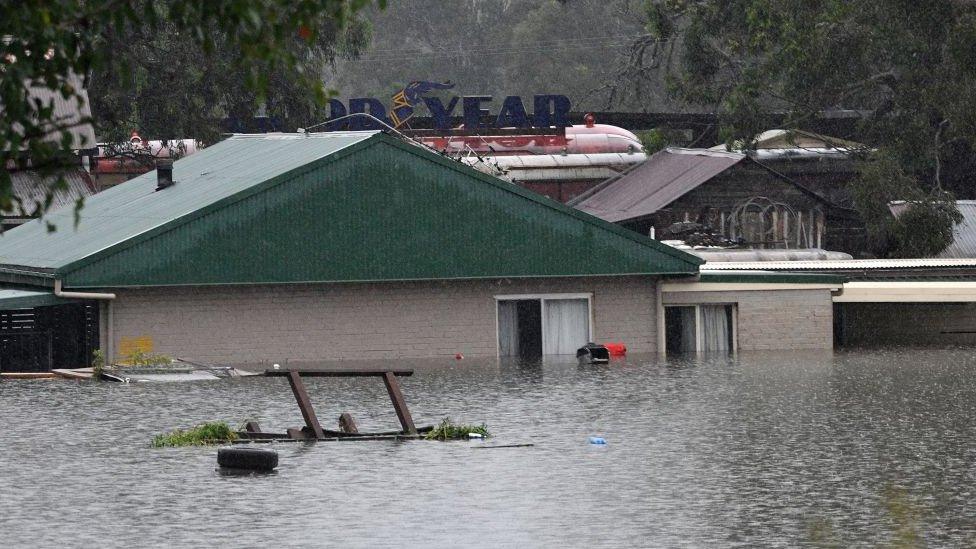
[(39, 339)]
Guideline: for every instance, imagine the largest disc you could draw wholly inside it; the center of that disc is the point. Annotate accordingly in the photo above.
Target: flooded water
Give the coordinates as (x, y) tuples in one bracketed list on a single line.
[(844, 449)]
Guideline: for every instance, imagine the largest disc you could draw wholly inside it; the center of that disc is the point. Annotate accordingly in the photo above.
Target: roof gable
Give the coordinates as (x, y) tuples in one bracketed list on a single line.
[(378, 209), (135, 209)]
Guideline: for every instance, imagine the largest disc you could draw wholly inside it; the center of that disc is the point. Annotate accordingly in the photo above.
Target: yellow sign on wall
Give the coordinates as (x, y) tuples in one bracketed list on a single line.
[(131, 345)]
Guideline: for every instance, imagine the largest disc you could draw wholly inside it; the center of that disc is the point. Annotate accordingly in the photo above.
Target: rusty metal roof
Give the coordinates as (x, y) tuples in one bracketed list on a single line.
[(69, 112), (662, 179), (32, 188)]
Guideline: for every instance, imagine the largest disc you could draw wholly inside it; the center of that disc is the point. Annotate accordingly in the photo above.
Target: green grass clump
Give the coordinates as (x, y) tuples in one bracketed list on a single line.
[(215, 432), (448, 430)]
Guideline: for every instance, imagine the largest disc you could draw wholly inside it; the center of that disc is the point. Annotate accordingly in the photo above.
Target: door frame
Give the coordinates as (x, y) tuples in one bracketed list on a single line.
[(542, 298), (698, 323)]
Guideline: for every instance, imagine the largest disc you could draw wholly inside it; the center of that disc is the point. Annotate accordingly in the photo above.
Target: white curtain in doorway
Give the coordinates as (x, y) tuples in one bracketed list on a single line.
[(715, 328), (508, 328), (566, 327)]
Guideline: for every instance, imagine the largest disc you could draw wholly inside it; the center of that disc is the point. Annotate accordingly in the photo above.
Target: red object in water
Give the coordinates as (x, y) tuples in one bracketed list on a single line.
[(616, 349), (458, 356)]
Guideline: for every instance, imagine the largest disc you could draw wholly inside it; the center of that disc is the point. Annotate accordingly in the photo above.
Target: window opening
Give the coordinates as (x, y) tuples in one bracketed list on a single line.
[(699, 328)]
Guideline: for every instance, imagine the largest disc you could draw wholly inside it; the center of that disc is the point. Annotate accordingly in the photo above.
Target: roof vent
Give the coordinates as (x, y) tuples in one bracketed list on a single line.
[(164, 169)]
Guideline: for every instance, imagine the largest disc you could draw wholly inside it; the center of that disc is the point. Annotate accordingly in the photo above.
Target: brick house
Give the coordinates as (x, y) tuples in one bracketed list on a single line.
[(358, 245)]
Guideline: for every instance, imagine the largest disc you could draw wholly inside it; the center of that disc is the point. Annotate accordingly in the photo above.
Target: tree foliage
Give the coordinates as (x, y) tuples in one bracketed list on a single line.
[(176, 89), (909, 69), (175, 64), (923, 229)]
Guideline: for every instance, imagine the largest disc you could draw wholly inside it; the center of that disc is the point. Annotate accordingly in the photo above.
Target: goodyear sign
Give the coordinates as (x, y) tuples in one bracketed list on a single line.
[(547, 110)]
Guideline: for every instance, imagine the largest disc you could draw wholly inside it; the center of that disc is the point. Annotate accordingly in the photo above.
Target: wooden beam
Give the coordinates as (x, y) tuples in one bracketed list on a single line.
[(399, 404), (346, 372), (304, 404)]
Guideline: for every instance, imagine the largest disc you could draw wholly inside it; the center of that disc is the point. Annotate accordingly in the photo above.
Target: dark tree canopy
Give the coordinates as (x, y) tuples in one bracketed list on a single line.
[(172, 66), (908, 67), (175, 89)]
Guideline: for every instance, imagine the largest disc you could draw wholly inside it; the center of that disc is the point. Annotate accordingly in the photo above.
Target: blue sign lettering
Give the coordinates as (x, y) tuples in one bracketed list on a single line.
[(440, 113), (473, 110), (512, 114), (548, 110)]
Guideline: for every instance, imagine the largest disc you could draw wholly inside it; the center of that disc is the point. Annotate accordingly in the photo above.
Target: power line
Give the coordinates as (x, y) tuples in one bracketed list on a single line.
[(521, 49), (462, 53), (477, 47)]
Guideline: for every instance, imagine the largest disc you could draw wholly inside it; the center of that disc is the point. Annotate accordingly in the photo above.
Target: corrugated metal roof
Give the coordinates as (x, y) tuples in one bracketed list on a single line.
[(799, 140), (767, 277), (26, 299), (665, 177), (356, 206), (740, 255), (69, 111), (135, 207), (963, 234), (831, 265), (32, 187)]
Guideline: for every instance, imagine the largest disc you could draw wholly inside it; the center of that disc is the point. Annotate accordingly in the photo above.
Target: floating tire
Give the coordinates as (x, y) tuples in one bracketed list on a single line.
[(248, 459)]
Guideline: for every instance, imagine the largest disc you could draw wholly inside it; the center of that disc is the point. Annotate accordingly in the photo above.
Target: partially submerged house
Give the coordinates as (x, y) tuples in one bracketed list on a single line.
[(358, 245), (890, 302), (768, 198)]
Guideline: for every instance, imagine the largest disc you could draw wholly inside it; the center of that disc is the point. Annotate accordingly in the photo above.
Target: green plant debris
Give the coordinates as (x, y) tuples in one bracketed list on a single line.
[(141, 359), (215, 432), (98, 364), (448, 430)]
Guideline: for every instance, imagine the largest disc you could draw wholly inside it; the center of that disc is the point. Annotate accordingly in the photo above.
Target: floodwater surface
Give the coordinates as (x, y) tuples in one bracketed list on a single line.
[(846, 449)]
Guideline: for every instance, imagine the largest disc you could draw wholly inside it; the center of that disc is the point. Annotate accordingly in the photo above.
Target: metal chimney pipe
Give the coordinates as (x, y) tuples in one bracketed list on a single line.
[(164, 168)]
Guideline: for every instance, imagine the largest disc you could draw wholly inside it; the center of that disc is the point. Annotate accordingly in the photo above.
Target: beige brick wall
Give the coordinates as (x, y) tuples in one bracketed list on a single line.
[(930, 324), (255, 324), (773, 319)]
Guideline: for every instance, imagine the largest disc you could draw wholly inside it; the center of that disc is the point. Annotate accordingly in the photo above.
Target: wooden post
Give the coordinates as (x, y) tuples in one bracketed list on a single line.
[(347, 424), (304, 404), (400, 405)]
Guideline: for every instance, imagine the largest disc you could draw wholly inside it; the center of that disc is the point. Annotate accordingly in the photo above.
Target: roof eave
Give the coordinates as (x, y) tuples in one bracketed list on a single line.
[(31, 276)]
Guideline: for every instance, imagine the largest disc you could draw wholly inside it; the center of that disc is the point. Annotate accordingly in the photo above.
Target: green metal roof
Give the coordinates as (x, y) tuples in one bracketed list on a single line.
[(133, 208), (327, 207)]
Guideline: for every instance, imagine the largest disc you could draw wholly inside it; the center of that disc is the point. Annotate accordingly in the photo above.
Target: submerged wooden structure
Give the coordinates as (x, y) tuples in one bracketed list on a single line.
[(313, 429)]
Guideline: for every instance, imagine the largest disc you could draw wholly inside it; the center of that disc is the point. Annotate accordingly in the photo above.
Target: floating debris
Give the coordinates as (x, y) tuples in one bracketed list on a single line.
[(448, 430), (216, 432)]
